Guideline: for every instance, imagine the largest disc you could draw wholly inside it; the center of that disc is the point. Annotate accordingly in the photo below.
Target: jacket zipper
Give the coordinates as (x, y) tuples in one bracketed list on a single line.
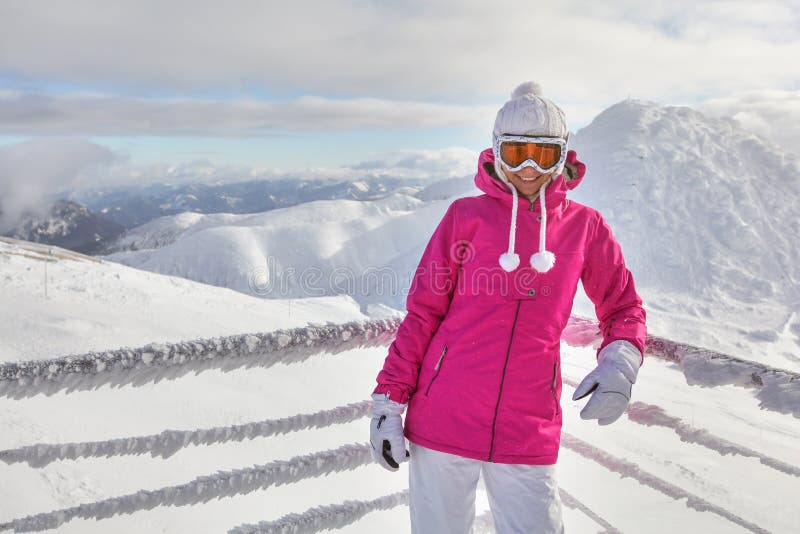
[(438, 368), (555, 379), (502, 380)]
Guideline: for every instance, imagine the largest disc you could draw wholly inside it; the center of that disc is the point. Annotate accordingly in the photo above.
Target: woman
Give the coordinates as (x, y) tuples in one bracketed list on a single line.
[(476, 359)]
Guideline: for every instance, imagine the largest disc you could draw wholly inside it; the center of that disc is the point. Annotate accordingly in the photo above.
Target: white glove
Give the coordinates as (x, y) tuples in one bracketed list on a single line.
[(386, 432), (613, 379)]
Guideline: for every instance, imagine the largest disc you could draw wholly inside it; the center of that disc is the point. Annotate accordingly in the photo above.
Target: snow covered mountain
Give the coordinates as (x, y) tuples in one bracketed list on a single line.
[(705, 212), (284, 446), (317, 248), (68, 225), (132, 206)]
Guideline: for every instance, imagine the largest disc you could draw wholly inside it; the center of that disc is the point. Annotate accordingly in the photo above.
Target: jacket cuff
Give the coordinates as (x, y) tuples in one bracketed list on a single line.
[(623, 355), (394, 393), (633, 343)]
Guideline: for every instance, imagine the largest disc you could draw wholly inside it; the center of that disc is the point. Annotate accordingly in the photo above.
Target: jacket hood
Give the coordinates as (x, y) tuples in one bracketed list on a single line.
[(487, 181), (551, 198)]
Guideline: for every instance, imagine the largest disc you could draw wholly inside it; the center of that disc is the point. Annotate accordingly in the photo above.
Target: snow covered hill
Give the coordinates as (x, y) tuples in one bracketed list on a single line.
[(707, 215), (317, 248), (134, 205), (88, 304), (282, 446), (705, 212)]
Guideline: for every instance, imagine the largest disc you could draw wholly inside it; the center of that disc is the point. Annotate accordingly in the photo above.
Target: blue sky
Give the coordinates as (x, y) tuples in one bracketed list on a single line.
[(265, 84)]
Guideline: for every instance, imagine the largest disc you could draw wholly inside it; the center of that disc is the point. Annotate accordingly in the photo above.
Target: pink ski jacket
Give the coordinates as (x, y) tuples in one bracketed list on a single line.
[(477, 356)]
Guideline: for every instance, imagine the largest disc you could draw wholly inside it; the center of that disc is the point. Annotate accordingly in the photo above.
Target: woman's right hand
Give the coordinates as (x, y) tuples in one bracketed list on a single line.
[(386, 432), (575, 168)]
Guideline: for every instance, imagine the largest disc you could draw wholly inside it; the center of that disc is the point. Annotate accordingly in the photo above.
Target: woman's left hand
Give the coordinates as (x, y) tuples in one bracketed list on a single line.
[(611, 381)]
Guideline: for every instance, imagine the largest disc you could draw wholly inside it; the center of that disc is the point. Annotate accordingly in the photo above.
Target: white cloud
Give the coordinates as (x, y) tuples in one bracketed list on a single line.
[(445, 163), (421, 164), (95, 114), (774, 115), (587, 55), (33, 171)]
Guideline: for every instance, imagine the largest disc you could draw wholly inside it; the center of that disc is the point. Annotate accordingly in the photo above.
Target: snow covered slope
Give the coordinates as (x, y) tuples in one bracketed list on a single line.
[(222, 449), (317, 248), (95, 305)]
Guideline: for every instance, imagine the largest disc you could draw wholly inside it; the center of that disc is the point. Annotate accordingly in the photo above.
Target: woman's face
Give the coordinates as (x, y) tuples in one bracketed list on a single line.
[(527, 180)]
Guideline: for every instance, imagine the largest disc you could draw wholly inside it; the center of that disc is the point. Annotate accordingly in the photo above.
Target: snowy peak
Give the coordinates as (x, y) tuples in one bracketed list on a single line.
[(704, 206), (69, 225)]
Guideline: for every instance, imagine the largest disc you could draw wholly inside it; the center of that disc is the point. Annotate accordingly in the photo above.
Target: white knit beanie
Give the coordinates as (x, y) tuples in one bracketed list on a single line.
[(528, 113)]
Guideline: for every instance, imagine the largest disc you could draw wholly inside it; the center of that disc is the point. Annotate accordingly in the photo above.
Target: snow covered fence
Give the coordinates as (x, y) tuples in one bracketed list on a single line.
[(571, 501), (778, 389), (162, 361), (324, 517), (203, 489), (652, 415), (338, 516), (167, 443), (629, 469)]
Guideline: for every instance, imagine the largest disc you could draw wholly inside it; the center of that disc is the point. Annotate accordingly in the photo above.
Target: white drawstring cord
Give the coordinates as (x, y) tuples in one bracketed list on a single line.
[(510, 260), (543, 260)]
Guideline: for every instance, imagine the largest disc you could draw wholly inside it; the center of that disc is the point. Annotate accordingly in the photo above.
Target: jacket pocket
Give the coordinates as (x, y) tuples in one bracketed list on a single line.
[(553, 386), (438, 368)]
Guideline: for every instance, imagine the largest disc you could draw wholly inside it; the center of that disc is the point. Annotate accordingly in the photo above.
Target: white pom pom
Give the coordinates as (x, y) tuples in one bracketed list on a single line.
[(543, 261), (509, 261), (527, 88)]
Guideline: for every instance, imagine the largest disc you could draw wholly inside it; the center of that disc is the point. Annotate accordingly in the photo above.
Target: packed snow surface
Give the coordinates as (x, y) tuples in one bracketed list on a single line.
[(282, 447)]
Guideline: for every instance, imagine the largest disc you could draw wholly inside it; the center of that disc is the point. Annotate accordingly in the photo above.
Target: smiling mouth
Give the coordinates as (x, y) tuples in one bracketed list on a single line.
[(529, 179)]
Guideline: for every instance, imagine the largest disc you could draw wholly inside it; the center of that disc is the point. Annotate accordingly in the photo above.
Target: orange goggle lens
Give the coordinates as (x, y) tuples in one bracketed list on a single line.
[(514, 153)]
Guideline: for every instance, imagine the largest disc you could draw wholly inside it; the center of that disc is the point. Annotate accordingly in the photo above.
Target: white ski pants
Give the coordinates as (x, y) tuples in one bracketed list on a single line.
[(523, 499)]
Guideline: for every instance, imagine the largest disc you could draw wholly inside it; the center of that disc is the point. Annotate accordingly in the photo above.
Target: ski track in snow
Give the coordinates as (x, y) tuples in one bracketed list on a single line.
[(168, 442), (651, 415), (324, 517), (626, 468), (205, 488)]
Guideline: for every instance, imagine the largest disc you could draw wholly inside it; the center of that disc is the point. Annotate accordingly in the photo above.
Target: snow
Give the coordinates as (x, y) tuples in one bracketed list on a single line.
[(707, 215), (99, 459), (198, 408), (98, 305)]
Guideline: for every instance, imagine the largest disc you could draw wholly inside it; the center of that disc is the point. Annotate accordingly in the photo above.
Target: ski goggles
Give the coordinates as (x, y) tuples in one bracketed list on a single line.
[(544, 154)]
